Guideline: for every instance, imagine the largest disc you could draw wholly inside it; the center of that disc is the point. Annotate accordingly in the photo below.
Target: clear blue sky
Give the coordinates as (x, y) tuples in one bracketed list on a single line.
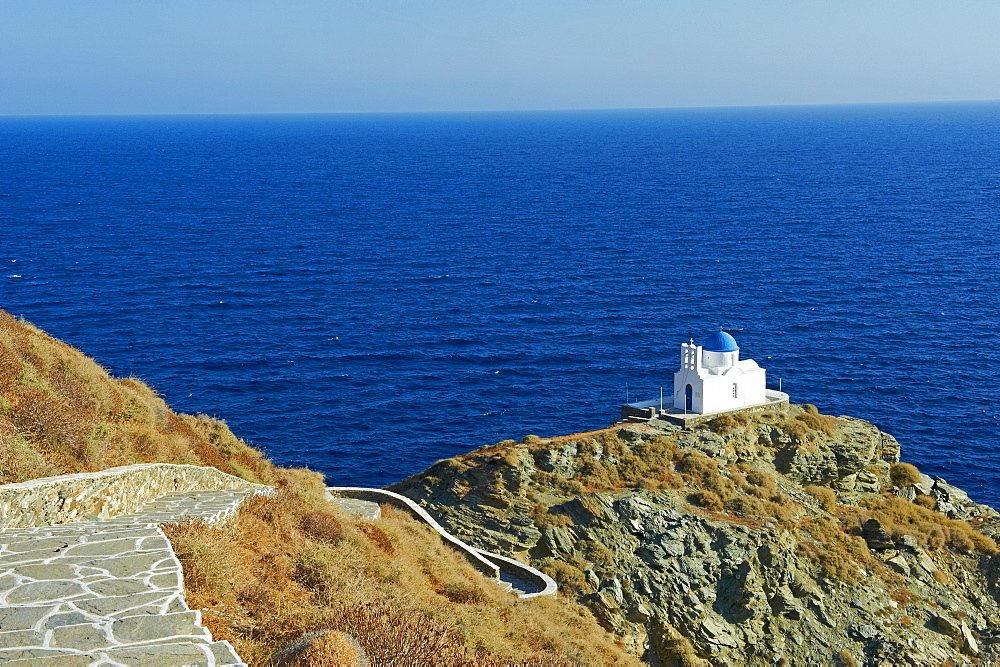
[(251, 56)]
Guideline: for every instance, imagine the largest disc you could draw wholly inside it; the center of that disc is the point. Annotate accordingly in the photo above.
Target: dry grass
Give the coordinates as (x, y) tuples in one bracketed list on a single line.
[(931, 528), (274, 576), (904, 474), (62, 413), (824, 495), (292, 563), (331, 649), (838, 553)]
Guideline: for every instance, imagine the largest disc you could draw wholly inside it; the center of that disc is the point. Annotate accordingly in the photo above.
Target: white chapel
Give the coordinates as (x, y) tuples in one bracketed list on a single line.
[(713, 378)]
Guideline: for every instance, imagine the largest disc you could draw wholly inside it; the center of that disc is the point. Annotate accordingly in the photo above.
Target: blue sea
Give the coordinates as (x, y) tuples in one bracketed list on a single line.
[(366, 294)]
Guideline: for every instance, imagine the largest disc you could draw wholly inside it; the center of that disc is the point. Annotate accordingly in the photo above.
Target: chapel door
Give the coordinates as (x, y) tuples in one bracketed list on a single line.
[(689, 398)]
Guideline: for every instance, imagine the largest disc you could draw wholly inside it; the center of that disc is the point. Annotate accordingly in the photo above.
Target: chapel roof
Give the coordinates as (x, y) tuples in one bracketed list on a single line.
[(720, 341)]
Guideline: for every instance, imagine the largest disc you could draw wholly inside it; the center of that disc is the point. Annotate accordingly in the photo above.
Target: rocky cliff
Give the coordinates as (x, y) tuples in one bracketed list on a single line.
[(784, 538)]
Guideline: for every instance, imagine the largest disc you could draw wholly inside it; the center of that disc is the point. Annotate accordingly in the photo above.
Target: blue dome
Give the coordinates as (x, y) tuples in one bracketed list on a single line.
[(720, 341)]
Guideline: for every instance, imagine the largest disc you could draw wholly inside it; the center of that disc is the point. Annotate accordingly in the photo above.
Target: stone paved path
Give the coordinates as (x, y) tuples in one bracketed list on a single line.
[(107, 592)]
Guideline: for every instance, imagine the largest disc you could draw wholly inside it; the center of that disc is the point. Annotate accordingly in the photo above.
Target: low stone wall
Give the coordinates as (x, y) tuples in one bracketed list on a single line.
[(545, 584), (488, 563), (640, 412), (396, 500), (104, 494)]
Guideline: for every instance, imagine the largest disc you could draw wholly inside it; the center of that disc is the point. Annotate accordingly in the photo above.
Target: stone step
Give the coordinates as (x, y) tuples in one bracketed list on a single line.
[(365, 509), (215, 654), (107, 592)]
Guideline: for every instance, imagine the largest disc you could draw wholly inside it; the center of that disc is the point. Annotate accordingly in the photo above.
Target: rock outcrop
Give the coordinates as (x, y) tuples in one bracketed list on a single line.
[(792, 536)]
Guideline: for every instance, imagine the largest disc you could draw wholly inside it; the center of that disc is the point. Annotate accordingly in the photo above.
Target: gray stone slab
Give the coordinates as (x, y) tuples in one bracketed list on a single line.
[(105, 548), (44, 591), (118, 587), (154, 542), (9, 581), (22, 618), (166, 580), (149, 628), (80, 637), (29, 654), (120, 605), (224, 653), (128, 567), (34, 544), (47, 571), (66, 618), (15, 638), (106, 592), (162, 654), (58, 660)]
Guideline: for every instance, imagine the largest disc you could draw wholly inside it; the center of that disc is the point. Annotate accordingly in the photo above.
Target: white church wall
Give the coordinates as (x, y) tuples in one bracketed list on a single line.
[(713, 375)]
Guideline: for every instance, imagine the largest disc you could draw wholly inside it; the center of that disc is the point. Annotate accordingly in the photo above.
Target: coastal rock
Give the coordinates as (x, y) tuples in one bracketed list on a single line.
[(875, 535), (717, 545)]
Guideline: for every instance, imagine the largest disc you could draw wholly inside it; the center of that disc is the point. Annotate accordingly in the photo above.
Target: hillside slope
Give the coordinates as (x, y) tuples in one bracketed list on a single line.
[(60, 412), (786, 538), (288, 564)]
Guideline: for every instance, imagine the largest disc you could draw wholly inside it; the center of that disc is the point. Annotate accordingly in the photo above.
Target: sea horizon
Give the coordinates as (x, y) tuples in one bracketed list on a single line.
[(366, 293)]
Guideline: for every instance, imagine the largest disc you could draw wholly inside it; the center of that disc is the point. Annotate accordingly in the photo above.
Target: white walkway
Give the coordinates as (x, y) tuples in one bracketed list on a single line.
[(107, 592)]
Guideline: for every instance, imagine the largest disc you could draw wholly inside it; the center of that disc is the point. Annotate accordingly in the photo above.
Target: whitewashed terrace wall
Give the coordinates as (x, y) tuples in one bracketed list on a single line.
[(104, 494)]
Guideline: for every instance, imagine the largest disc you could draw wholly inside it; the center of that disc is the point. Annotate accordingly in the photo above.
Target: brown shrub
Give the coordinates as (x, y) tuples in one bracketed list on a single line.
[(597, 552), (904, 474), (331, 649), (838, 554), (75, 417), (825, 496), (675, 650), (322, 526), (656, 453), (569, 577), (762, 484), (904, 596), (746, 505), (424, 604), (724, 424), (794, 428), (672, 481), (817, 422), (699, 470), (542, 517), (206, 552), (930, 502), (405, 637), (570, 487), (710, 500), (845, 659), (464, 592), (378, 537), (931, 528)]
